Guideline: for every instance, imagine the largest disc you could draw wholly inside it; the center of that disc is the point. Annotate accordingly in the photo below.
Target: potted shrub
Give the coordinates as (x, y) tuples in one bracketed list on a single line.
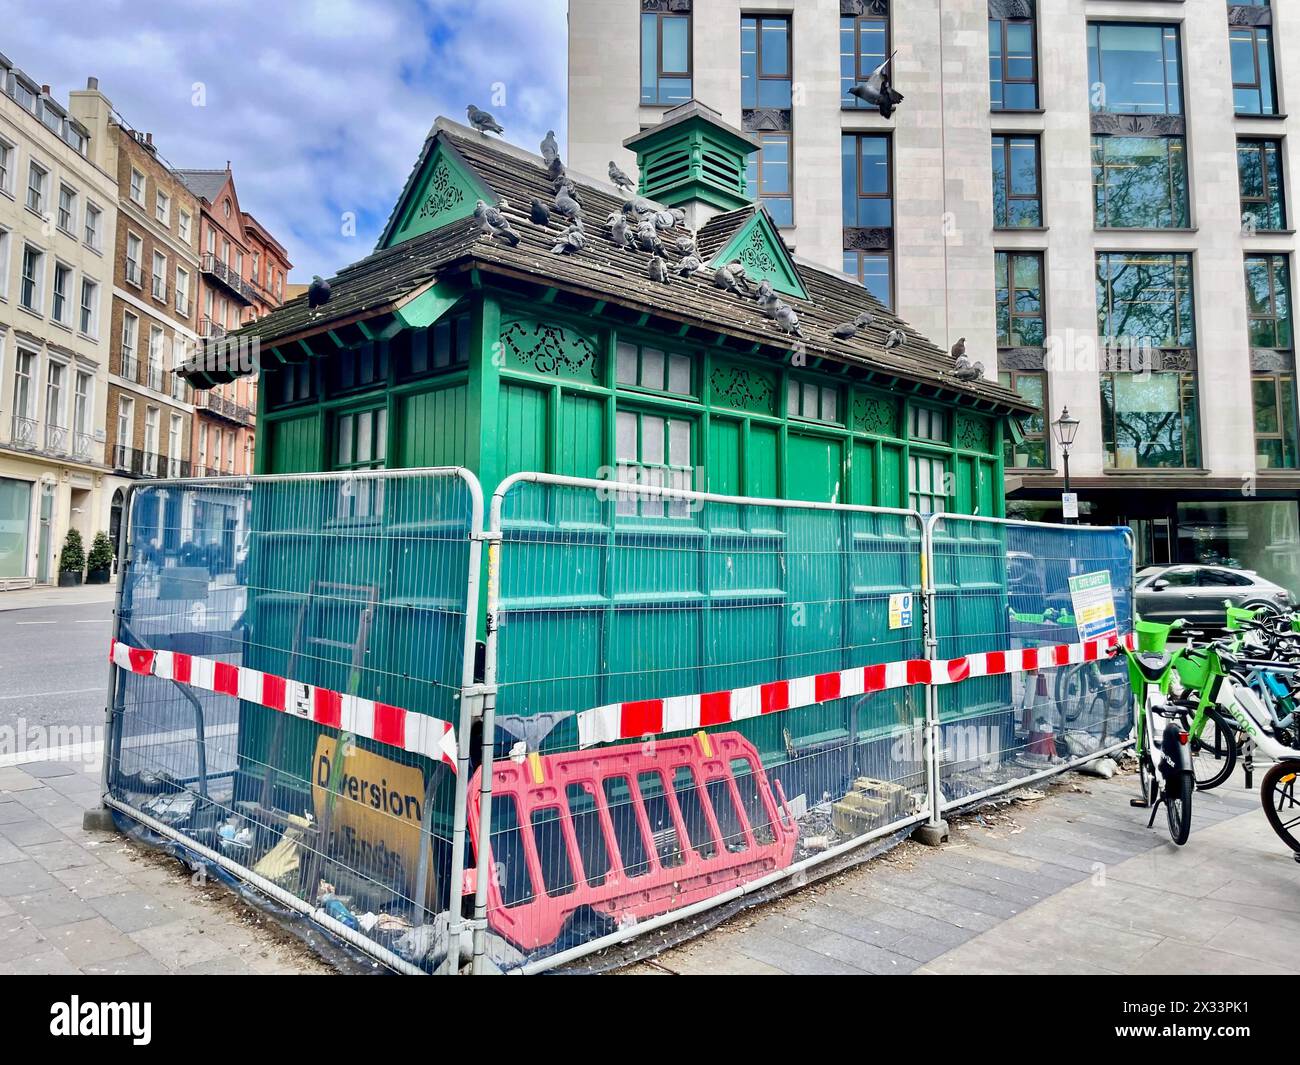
[(99, 563), (72, 560)]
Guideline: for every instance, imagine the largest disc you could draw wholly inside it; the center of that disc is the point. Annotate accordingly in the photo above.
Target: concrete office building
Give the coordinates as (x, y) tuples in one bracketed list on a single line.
[(1096, 194)]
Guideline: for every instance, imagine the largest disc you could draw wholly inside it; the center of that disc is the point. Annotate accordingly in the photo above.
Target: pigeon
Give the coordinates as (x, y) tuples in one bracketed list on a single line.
[(787, 319), (669, 219), (767, 298), (894, 339), (647, 237), (965, 370), (573, 239), (731, 278), (641, 206), (558, 174), (550, 148), (658, 270), (685, 245), (566, 203), (492, 223), (849, 330), (688, 265), (878, 90), (538, 214), (482, 121), (619, 233), (619, 178), (318, 292), (959, 349)]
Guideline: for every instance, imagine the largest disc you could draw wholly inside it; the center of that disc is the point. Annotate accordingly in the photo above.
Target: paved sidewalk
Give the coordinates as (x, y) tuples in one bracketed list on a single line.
[(1070, 883), (73, 901), (45, 596)]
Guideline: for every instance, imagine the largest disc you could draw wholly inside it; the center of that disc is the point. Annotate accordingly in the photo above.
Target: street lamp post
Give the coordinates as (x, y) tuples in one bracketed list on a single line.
[(1065, 429)]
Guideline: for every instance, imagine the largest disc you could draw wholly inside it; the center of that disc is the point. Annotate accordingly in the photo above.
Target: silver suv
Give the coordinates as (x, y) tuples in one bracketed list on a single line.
[(1197, 593)]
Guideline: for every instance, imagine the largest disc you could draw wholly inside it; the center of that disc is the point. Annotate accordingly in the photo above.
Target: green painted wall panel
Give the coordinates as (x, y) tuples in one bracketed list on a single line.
[(293, 444), (523, 426), (761, 466), (815, 467), (580, 440), (434, 428)]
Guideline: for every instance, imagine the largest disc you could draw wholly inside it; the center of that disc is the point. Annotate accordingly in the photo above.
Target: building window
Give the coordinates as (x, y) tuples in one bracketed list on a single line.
[(125, 422), (182, 292), (89, 307), (1013, 64), (1019, 283), (175, 433), (134, 249), (1253, 89), (769, 176), (927, 484), (183, 226), (652, 368), (868, 205), (812, 402), (923, 423), (130, 338), (159, 276), (864, 44), (93, 237), (7, 157), (654, 450), (1140, 183), (151, 415), (1031, 452), (36, 178), (1275, 421), (665, 58), (4, 263), (1017, 194), (81, 412), (1149, 399), (1268, 300), (24, 385), (1259, 174), (137, 187), (67, 209), (60, 305), (360, 443), (154, 378), (1134, 68), (33, 269), (54, 380), (765, 88), (162, 208)]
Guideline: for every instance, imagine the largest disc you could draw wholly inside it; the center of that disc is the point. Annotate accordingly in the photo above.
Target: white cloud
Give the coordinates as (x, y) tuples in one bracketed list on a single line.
[(320, 105)]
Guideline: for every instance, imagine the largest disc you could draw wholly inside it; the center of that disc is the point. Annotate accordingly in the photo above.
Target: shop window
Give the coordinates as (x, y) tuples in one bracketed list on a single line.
[(1017, 193), (15, 522), (1140, 183), (1259, 535), (1259, 175), (1032, 451)]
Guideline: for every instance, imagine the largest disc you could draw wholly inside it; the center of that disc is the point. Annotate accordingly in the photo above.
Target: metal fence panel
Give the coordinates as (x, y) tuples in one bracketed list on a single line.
[(291, 654), (1004, 587), (691, 698)]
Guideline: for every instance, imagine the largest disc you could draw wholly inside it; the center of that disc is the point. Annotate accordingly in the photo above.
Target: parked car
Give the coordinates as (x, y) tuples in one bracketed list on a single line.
[(1197, 593)]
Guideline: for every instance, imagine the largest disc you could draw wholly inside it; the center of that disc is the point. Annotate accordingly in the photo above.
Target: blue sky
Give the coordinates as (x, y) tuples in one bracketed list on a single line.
[(321, 107)]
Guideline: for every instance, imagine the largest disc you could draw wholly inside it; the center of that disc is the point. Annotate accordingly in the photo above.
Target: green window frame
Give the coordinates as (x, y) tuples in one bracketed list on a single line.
[(929, 424), (660, 447), (813, 402), (358, 442), (928, 482), (1274, 400), (1021, 317), (441, 348), (1268, 302), (363, 366), (1034, 452), (648, 367), (666, 58), (1250, 50), (290, 384), (1259, 178), (1013, 64), (864, 44), (1140, 183), (1017, 181)]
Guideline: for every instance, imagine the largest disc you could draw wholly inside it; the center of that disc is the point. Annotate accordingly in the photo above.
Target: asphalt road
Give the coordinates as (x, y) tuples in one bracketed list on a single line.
[(54, 664)]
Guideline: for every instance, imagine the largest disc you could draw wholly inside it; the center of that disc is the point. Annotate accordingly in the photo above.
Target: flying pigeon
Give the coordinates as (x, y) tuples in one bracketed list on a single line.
[(492, 223), (959, 349), (538, 214), (688, 265), (658, 270), (318, 292), (619, 178), (566, 202), (647, 237), (767, 298), (550, 148), (878, 90), (894, 339), (849, 330), (787, 319), (685, 245), (731, 278), (573, 239), (482, 121), (965, 370)]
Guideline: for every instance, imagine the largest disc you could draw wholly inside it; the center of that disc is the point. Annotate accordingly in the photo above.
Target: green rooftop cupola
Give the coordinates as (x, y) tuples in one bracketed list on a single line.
[(695, 161)]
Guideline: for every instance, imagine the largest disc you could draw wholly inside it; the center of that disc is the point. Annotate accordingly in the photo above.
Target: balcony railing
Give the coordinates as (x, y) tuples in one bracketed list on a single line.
[(23, 433), (213, 266), (182, 305), (222, 407), (159, 289), (81, 446), (130, 364), (56, 439), (155, 380), (140, 463), (210, 330), (133, 273)]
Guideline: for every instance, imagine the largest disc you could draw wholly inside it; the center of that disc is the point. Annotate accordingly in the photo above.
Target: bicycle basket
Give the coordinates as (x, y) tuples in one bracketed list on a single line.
[(1151, 636), (1237, 615)]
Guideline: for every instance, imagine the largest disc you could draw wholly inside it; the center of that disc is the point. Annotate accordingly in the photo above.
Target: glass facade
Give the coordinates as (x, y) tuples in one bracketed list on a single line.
[(1017, 194), (1018, 279), (1268, 302), (15, 524), (864, 44), (1013, 65), (1140, 183), (1032, 451), (665, 58), (765, 84), (1134, 68), (1260, 535), (868, 204), (1149, 420), (1273, 396), (1259, 175), (1253, 89)]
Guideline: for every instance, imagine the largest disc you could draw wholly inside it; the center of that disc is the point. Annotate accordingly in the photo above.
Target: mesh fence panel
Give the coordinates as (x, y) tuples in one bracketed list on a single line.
[(1006, 586), (267, 624), (684, 703)]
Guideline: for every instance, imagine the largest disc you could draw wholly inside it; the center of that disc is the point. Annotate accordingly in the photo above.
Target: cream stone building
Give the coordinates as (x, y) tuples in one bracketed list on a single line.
[(58, 218), (1096, 194)]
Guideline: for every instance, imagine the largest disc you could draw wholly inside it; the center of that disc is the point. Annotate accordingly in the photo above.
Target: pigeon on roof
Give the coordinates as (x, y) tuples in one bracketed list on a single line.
[(787, 319), (573, 239), (685, 245), (688, 265), (768, 302), (878, 90), (965, 370), (492, 223), (658, 270), (647, 238), (550, 148), (318, 292), (730, 277), (849, 330), (566, 203), (895, 339), (959, 349), (619, 232), (482, 121), (619, 178), (538, 214)]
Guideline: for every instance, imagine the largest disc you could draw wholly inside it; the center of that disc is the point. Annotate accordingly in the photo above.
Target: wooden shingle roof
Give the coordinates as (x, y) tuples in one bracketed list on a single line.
[(385, 279)]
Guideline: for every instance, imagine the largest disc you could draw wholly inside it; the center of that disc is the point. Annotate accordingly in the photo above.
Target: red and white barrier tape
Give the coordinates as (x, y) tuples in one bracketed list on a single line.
[(391, 725), (649, 717)]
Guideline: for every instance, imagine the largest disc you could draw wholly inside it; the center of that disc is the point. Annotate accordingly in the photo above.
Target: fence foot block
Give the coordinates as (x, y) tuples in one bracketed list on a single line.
[(931, 835), (98, 819)]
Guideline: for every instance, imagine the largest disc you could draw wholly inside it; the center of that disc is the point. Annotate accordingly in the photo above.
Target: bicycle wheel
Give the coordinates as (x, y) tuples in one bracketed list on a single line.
[(1178, 807), (1072, 685), (1278, 794), (1214, 754)]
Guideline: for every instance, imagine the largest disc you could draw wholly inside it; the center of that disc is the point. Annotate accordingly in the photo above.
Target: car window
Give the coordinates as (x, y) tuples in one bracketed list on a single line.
[(1179, 577), (1222, 578)]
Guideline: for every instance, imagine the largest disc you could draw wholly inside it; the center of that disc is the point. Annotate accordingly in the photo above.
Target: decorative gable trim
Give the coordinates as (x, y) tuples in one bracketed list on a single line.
[(761, 251), (443, 188)]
